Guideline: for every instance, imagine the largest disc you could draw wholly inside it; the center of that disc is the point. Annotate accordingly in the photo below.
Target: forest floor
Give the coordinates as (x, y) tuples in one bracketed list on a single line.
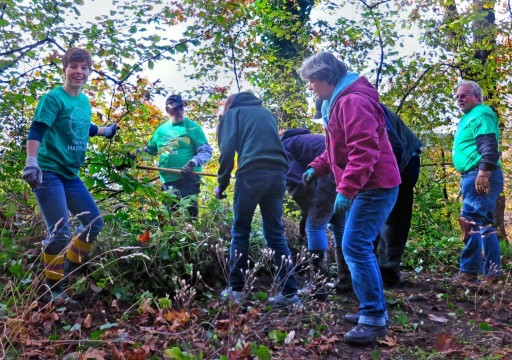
[(431, 317)]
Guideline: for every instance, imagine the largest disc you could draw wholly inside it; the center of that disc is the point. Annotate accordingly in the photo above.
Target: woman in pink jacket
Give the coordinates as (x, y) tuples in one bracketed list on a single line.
[(360, 156)]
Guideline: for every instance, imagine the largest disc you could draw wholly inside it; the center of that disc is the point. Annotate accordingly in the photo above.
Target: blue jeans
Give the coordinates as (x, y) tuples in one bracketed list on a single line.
[(479, 209), (365, 218), (266, 189), (188, 186), (57, 198), (320, 213)]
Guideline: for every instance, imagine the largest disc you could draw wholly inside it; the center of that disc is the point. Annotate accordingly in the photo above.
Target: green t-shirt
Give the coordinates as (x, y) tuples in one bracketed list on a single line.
[(480, 120), (63, 147), (175, 145)]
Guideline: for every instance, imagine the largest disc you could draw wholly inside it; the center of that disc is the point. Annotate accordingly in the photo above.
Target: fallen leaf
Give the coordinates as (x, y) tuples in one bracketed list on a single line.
[(289, 338), (145, 307), (144, 238), (446, 343), (96, 354), (88, 321), (114, 351), (239, 354), (388, 341), (437, 319)]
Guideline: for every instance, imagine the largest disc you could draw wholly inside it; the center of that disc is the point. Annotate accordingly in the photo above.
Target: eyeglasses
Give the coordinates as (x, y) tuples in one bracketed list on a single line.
[(463, 96)]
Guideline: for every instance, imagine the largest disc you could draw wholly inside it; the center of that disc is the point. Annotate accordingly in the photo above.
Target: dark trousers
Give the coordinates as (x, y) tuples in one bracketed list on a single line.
[(188, 186), (390, 243)]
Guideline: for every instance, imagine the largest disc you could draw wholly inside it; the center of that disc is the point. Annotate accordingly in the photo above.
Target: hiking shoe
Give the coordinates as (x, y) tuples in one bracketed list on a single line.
[(352, 318), (236, 296), (364, 334), (281, 301), (464, 278)]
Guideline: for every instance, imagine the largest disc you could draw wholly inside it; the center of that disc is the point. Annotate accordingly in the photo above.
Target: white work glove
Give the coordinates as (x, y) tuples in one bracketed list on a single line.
[(32, 173)]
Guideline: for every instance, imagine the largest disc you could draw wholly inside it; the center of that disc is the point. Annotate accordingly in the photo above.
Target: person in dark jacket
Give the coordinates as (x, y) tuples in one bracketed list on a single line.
[(359, 154), (393, 234), (250, 130), (316, 205)]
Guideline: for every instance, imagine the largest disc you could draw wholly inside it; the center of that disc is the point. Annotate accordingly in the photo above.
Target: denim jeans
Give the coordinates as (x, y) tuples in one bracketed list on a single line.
[(320, 213), (393, 234), (188, 186), (266, 189), (57, 198), (365, 218), (479, 209)]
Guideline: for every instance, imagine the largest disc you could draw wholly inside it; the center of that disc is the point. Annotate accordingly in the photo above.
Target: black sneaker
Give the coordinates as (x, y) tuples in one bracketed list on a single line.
[(364, 334)]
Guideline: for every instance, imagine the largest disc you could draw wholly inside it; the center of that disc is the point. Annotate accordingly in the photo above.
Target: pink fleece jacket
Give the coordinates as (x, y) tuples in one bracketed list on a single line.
[(358, 151)]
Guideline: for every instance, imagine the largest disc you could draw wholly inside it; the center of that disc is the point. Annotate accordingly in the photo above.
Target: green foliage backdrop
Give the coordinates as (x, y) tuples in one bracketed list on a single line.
[(413, 51)]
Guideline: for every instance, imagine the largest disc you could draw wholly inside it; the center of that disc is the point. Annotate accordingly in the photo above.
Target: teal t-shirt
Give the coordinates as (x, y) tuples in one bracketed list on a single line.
[(175, 145), (65, 142), (480, 120)]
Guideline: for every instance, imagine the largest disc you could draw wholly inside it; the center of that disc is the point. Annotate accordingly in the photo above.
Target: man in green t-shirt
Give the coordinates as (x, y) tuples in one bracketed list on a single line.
[(180, 144), (476, 156)]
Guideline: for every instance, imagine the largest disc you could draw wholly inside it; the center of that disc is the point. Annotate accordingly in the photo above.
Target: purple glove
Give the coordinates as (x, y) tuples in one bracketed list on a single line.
[(188, 169), (110, 131), (219, 194)]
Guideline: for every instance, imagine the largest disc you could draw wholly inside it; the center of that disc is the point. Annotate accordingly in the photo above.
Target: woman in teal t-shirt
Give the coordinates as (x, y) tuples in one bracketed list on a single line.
[(56, 145)]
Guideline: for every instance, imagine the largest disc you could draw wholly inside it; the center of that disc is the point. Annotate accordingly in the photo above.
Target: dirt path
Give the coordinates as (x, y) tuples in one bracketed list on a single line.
[(430, 318)]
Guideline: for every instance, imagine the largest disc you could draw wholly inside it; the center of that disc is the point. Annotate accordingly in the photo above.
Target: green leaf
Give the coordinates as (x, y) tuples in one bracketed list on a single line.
[(277, 336), (484, 326), (262, 352), (175, 353), (181, 47), (96, 335)]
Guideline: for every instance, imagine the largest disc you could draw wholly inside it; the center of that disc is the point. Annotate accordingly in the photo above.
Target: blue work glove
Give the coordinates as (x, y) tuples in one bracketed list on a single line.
[(110, 131), (308, 176), (219, 194), (32, 173), (342, 203), (188, 169)]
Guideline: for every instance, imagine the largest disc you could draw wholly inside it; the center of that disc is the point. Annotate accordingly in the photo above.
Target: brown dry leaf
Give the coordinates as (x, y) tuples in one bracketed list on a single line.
[(36, 353), (114, 351), (145, 307), (88, 321), (96, 354), (323, 344), (136, 354), (173, 315), (388, 340), (150, 343), (238, 354), (437, 319), (114, 305), (504, 352), (447, 343)]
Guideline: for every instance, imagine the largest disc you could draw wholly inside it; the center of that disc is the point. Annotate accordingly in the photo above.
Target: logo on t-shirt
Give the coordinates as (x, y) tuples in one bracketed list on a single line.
[(79, 123), (172, 141)]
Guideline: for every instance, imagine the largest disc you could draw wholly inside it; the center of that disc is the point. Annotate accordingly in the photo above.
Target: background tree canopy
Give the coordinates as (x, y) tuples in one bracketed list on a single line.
[(413, 51)]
